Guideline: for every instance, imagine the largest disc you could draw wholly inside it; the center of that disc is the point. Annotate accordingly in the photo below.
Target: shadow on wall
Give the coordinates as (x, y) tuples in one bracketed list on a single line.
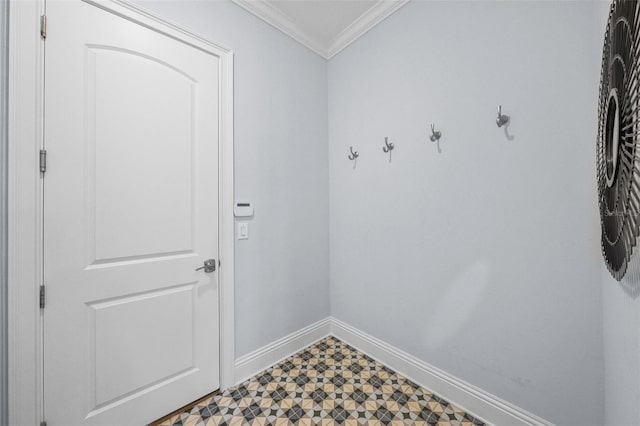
[(463, 297), (630, 283)]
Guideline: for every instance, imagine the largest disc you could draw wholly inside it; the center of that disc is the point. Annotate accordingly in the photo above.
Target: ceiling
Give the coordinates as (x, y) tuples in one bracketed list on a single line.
[(324, 26)]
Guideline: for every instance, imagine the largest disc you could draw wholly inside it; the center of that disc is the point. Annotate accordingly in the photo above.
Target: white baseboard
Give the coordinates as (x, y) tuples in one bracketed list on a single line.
[(473, 400), (253, 363)]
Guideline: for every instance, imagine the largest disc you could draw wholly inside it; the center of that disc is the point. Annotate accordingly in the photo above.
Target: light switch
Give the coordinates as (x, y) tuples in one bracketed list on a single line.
[(243, 231)]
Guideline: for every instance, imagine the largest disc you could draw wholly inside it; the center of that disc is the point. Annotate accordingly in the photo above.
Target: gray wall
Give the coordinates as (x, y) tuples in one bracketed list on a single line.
[(482, 260), (281, 164), (4, 47), (621, 331), (621, 354)]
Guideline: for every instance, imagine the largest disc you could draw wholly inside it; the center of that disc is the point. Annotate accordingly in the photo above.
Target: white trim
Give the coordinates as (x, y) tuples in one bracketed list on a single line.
[(372, 17), (25, 209), (24, 260), (251, 364), (472, 399), (273, 16), (4, 49), (264, 10), (139, 15), (226, 226)]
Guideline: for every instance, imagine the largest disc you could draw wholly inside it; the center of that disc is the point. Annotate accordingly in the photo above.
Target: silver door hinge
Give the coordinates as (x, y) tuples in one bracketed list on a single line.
[(43, 160), (43, 26), (42, 296)]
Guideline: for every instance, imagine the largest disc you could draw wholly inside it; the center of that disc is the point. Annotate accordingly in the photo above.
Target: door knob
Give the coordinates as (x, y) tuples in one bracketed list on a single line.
[(209, 266)]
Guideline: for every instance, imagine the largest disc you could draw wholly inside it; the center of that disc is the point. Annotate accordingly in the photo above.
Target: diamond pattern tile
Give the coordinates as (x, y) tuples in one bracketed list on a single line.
[(329, 383)]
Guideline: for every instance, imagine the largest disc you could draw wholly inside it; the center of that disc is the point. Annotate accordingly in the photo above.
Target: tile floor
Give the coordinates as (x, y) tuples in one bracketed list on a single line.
[(328, 383)]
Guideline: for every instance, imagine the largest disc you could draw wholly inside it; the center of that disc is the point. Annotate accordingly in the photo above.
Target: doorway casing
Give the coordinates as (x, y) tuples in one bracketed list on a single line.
[(25, 207)]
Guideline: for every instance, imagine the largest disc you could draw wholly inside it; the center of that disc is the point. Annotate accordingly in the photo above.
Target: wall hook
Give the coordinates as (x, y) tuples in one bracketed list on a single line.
[(388, 146), (354, 154), (435, 136), (501, 120)]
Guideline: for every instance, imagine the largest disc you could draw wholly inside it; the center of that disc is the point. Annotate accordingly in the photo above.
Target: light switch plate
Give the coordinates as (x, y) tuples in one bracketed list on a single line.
[(243, 231)]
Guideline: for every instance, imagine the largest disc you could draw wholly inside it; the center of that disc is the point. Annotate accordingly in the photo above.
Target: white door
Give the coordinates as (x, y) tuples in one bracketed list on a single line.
[(131, 329)]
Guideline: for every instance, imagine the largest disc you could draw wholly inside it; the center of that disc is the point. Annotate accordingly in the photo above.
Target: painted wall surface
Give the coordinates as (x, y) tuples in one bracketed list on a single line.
[(621, 354), (621, 331), (481, 258), (4, 49), (281, 165)]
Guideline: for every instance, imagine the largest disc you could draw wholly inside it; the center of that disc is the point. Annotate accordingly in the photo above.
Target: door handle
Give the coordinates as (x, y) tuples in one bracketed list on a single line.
[(209, 266)]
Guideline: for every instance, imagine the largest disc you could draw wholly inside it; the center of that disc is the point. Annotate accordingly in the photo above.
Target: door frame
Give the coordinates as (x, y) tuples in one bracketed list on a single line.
[(25, 206)]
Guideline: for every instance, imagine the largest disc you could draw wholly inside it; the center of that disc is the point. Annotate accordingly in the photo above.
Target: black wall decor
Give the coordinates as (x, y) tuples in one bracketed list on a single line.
[(618, 165)]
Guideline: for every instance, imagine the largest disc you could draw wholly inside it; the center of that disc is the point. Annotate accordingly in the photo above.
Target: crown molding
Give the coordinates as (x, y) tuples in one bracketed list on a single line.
[(274, 17), (372, 17)]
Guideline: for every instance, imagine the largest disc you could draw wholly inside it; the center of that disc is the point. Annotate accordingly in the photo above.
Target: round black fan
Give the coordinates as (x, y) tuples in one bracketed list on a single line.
[(618, 168)]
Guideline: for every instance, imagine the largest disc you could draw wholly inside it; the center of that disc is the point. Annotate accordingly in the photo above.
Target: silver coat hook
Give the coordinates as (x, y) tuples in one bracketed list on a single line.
[(354, 154), (501, 120), (435, 136), (388, 146)]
